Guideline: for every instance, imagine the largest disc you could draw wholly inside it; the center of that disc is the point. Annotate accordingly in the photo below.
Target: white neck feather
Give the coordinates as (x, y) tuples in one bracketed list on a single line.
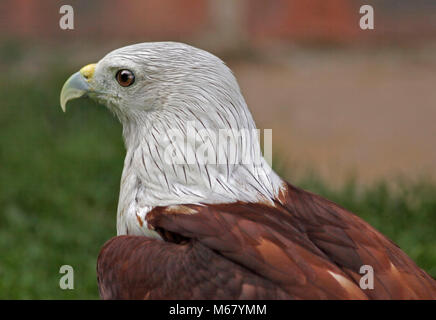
[(198, 116), (150, 180)]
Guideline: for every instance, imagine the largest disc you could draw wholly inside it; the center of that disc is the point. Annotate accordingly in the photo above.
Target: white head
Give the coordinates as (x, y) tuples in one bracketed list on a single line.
[(165, 89)]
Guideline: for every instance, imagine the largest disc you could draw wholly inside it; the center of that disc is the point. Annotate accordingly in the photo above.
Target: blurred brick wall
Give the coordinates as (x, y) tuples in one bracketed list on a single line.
[(315, 19), (108, 18), (254, 21)]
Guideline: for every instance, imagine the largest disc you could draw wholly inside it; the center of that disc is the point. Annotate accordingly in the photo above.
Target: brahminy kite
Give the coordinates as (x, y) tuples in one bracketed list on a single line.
[(201, 214)]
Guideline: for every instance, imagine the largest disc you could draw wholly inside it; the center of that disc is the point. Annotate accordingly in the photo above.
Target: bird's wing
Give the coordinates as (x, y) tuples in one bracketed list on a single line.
[(136, 267), (303, 247), (350, 243)]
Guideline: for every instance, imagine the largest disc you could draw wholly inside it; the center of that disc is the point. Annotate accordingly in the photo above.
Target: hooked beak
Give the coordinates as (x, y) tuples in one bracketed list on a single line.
[(77, 85)]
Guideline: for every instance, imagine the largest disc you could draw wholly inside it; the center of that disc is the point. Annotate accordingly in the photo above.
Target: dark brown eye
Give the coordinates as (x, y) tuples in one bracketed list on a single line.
[(125, 77)]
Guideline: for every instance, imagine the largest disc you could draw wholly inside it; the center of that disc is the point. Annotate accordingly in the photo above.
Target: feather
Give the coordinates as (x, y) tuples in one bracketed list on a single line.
[(256, 251), (221, 224)]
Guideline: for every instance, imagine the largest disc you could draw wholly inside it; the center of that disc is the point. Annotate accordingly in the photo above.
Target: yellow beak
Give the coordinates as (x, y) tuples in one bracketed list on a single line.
[(77, 85)]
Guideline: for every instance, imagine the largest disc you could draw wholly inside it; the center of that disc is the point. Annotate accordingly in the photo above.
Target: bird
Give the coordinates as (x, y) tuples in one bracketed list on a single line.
[(201, 213)]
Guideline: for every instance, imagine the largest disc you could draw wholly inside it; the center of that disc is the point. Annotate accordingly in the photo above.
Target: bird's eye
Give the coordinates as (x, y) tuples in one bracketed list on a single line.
[(125, 77)]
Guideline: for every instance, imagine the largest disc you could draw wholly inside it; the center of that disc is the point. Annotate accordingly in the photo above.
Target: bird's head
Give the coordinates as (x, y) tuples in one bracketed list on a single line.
[(156, 88), (163, 78)]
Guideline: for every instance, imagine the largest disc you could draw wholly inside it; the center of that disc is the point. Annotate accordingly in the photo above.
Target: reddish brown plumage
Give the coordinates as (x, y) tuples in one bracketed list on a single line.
[(303, 247)]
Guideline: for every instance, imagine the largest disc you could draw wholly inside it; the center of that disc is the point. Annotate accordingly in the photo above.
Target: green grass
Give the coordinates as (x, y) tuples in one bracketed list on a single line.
[(59, 180), (59, 183)]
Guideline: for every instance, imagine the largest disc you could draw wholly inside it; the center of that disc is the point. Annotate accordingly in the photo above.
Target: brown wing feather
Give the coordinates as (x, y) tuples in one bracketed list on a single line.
[(257, 238), (350, 242), (135, 267), (304, 247)]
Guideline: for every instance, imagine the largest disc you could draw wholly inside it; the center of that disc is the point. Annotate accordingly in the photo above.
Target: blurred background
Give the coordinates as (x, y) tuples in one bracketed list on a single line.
[(352, 111)]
